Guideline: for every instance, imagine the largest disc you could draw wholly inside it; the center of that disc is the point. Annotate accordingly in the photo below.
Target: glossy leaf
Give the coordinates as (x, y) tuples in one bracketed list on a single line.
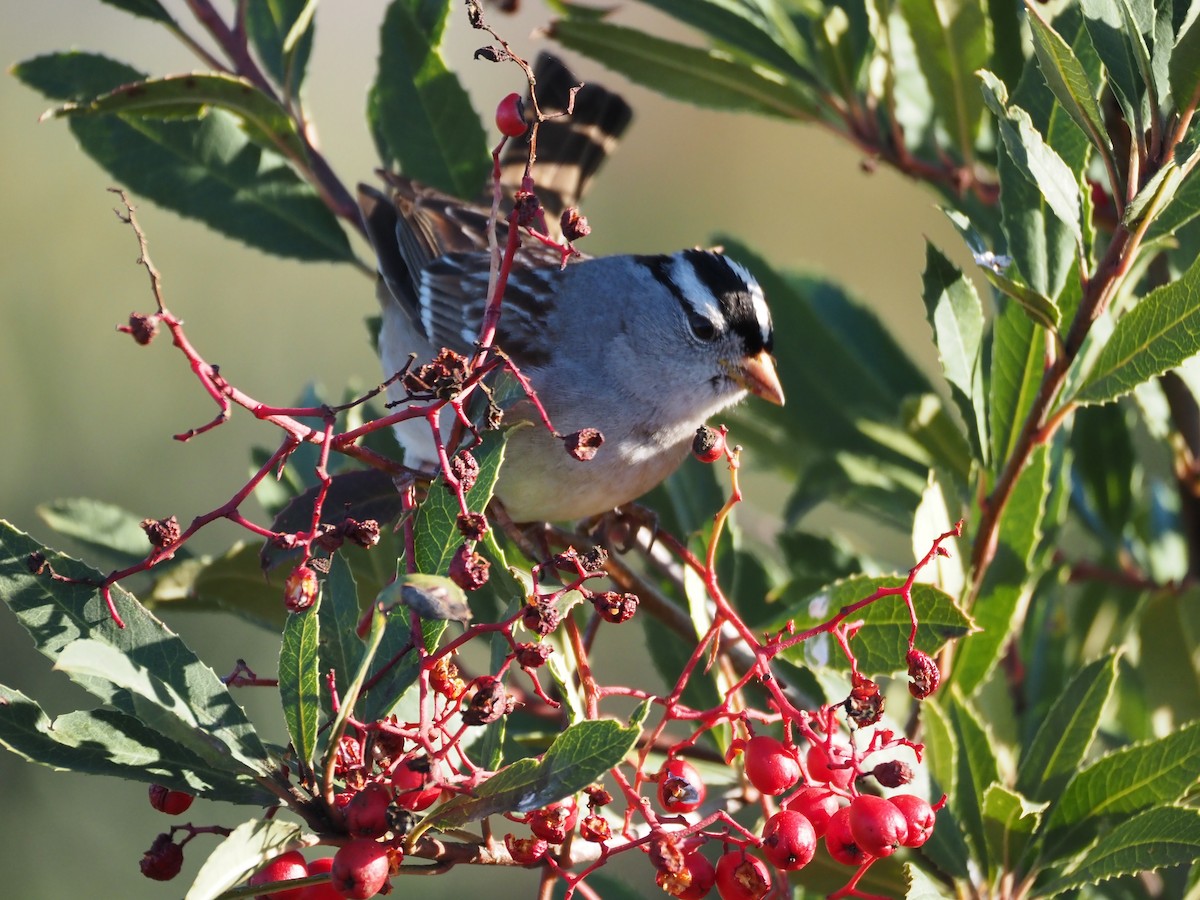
[(282, 34), (1018, 362), (206, 169), (881, 643), (146, 9), (235, 582), (952, 40), (954, 311), (579, 756), (1185, 68), (144, 656), (1009, 822), (922, 886), (947, 846), (417, 107), (1184, 207), (1067, 731), (245, 850), (1152, 840), (1158, 334), (299, 680), (1115, 43), (977, 772), (704, 77), (340, 649)]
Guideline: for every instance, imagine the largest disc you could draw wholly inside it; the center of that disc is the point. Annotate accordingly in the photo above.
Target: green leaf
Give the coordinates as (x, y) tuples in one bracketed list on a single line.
[(1035, 159), (1067, 731), (947, 846), (100, 525), (882, 642), (953, 309), (1008, 578), (107, 742), (1184, 207), (235, 582), (1018, 361), (1129, 780), (952, 40), (922, 886), (1066, 77), (146, 9), (282, 34), (249, 846), (579, 756), (299, 680), (340, 649), (759, 28), (1185, 68), (144, 655), (1152, 840), (1105, 470), (437, 534), (977, 772), (1158, 334), (1114, 42), (1009, 821), (706, 78), (206, 169), (418, 108)]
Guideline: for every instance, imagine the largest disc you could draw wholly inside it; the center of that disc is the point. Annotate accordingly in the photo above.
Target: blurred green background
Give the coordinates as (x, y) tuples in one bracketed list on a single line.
[(91, 413)]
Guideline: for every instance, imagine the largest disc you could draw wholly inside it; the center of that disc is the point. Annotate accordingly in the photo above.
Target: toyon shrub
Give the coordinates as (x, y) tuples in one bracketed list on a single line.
[(975, 679)]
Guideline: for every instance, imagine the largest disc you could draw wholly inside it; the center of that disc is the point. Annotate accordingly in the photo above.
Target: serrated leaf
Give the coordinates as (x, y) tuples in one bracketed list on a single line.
[(101, 525), (579, 756), (923, 887), (299, 680), (706, 78), (1066, 77), (1009, 821), (760, 28), (1008, 578), (881, 643), (107, 742), (206, 169), (58, 615), (1152, 840), (952, 40), (976, 772), (953, 309), (1067, 731), (146, 9), (418, 108), (1158, 334), (249, 846), (282, 34), (1126, 781), (1018, 361), (1035, 159), (947, 846)]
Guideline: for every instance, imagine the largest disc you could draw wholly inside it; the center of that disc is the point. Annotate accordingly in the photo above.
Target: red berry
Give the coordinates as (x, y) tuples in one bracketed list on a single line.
[(411, 779), (163, 860), (510, 116), (285, 867), (769, 765), (918, 814), (817, 804), (741, 876), (692, 882), (555, 822), (525, 851), (323, 891), (830, 766), (708, 445), (840, 842), (680, 789), (168, 801), (367, 811), (360, 869), (878, 827), (300, 589), (789, 841)]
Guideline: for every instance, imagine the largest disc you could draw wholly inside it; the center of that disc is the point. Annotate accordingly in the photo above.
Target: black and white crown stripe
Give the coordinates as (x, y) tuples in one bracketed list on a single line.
[(714, 289)]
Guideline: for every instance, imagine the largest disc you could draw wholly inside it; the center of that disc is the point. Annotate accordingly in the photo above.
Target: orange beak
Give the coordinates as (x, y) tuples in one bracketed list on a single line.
[(757, 375)]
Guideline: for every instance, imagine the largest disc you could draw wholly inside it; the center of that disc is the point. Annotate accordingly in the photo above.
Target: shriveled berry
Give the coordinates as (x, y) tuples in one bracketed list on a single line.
[(360, 869), (285, 867), (840, 842), (574, 224), (614, 607), (893, 773), (165, 800), (541, 618), (491, 701), (924, 673), (142, 327), (163, 860), (534, 656), (468, 569), (414, 781), (692, 882), (525, 851), (817, 804), (595, 828), (510, 116), (300, 589), (865, 704), (323, 891), (877, 826), (161, 532), (830, 766), (708, 445), (367, 811), (741, 876), (680, 788), (770, 766), (583, 444), (789, 841), (918, 814), (554, 822)]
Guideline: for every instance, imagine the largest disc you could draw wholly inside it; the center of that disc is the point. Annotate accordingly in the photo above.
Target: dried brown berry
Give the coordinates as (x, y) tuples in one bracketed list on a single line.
[(526, 206), (163, 860), (595, 828), (474, 14), (36, 562), (465, 468), (365, 533), (614, 607), (533, 656), (865, 704), (541, 618), (472, 526), (490, 702), (142, 327), (161, 532), (597, 796), (583, 444), (468, 569), (442, 378), (924, 673), (893, 773), (574, 224)]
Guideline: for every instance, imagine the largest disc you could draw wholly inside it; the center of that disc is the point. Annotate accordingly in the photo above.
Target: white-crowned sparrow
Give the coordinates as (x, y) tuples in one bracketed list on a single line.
[(642, 348)]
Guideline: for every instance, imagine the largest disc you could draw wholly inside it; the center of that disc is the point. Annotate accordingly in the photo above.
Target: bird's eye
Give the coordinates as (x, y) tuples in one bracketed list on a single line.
[(702, 327)]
